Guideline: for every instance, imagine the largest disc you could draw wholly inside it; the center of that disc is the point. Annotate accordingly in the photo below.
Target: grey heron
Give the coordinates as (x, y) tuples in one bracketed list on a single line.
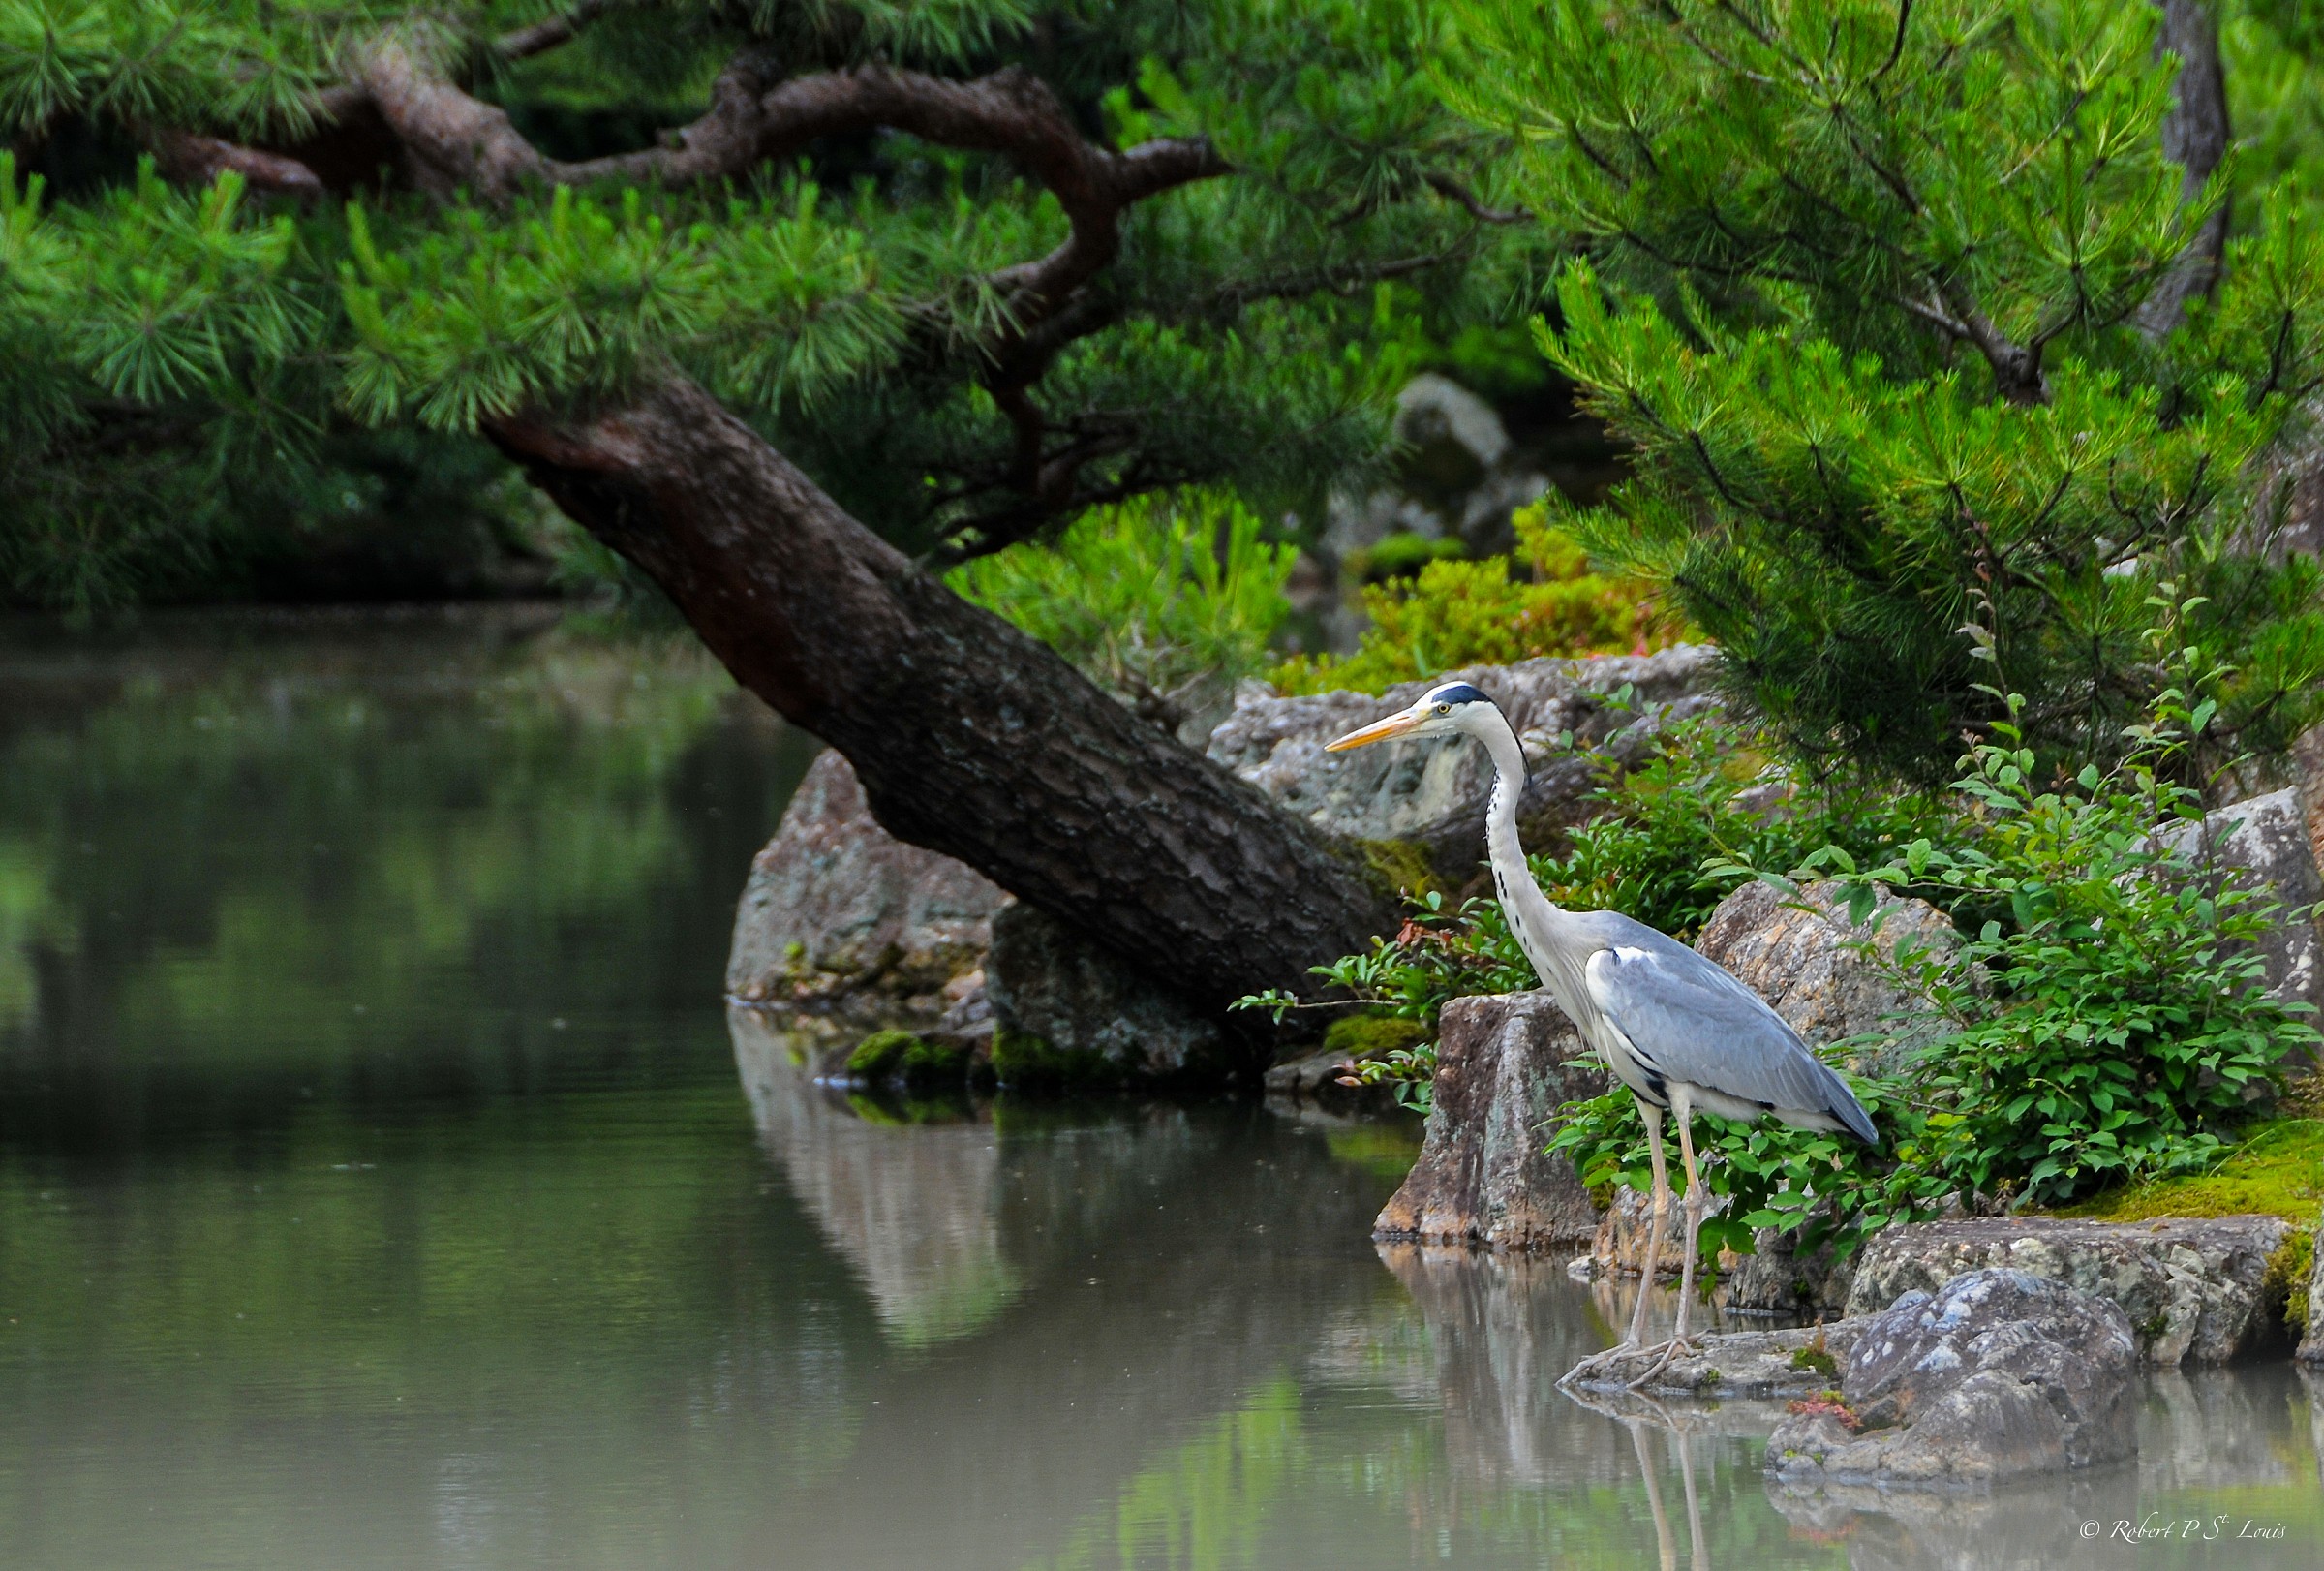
[(1676, 1029)]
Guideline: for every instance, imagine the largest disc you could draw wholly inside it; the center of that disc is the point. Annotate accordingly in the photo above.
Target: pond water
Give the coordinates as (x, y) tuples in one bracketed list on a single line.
[(382, 1184)]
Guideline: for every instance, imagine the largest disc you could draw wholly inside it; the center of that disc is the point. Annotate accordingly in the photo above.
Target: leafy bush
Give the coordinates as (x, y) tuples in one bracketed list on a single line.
[(2117, 1023), (2108, 1019), (1456, 613), (1164, 602)]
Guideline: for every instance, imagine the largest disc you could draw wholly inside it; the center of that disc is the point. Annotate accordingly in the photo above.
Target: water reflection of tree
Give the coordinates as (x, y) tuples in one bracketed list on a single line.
[(241, 869)]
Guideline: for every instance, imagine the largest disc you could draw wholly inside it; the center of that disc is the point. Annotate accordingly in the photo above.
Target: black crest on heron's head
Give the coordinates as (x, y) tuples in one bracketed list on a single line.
[(1457, 693)]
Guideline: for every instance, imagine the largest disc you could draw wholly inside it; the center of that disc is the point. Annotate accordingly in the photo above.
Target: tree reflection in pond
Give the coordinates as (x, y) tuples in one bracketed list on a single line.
[(323, 1244)]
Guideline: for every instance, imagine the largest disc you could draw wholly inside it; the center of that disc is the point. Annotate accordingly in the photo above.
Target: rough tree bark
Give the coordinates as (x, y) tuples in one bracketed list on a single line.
[(970, 738), (2195, 137)]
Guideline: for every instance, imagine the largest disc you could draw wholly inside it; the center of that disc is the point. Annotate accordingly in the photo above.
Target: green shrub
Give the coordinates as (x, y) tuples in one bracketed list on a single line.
[(1458, 614), (2114, 1022), (1165, 602), (1672, 833)]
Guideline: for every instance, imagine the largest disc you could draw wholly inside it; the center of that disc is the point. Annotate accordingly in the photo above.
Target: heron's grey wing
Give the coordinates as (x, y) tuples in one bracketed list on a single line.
[(1687, 1019)]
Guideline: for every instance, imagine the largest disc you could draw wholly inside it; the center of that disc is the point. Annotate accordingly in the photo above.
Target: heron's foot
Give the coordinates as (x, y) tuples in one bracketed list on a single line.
[(1663, 1354), (1601, 1363)]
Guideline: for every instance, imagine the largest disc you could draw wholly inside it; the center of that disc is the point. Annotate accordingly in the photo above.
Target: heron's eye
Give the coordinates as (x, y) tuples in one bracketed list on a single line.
[(1444, 709)]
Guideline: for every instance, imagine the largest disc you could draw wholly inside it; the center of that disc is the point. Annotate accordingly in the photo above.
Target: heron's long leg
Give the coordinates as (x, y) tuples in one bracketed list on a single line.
[(1653, 1229), (1654, 1495), (1686, 1476), (1682, 1112)]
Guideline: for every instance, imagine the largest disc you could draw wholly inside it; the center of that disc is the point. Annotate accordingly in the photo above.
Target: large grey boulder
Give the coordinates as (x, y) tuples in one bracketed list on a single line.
[(1802, 954), (2267, 838), (1433, 792), (1998, 1375), (1069, 1013), (2192, 1289), (840, 918), (1503, 1066)]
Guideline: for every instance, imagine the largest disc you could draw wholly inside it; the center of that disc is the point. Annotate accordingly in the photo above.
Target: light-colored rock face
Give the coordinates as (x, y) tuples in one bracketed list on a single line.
[(1502, 1069), (2190, 1289), (1433, 792), (840, 916), (1998, 1375), (2267, 837), (1800, 954)]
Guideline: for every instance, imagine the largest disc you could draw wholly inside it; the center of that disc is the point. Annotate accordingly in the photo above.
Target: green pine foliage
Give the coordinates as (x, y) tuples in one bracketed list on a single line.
[(1872, 289), (1166, 601), (165, 343)]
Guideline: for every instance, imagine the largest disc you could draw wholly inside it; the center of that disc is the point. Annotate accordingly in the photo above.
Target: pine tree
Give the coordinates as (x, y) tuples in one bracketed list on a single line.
[(1941, 374), (972, 265)]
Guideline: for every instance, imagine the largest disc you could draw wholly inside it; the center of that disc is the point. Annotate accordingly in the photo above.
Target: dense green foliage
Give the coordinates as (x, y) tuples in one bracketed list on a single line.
[(1542, 600), (2107, 1021), (1164, 603), (1883, 296), (171, 346)]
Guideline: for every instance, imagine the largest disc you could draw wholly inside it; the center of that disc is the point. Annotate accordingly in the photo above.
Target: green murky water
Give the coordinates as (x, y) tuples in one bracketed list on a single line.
[(382, 1184)]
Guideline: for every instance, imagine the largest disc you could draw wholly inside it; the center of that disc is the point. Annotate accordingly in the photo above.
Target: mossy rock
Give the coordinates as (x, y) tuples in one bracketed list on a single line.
[(1400, 866), (1022, 1062), (878, 1055), (913, 1059), (2283, 1290), (933, 1063), (1358, 1037), (2277, 1171)]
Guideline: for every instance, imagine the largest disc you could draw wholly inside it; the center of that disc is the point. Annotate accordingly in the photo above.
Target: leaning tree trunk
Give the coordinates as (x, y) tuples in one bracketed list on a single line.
[(970, 738)]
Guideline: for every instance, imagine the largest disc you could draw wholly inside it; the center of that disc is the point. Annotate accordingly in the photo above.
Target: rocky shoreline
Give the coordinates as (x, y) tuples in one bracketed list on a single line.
[(848, 941)]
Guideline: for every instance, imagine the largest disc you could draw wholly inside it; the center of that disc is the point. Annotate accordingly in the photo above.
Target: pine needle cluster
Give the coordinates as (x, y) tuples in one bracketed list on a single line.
[(220, 247), (1934, 370)]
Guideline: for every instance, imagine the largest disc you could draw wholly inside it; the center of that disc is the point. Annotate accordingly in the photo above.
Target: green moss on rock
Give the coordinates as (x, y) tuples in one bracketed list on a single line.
[(2283, 1290), (1022, 1062), (878, 1055), (2279, 1172), (1357, 1038), (1401, 866)]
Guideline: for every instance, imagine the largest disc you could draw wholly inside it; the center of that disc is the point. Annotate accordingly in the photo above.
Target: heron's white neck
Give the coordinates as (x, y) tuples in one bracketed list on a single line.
[(1543, 930)]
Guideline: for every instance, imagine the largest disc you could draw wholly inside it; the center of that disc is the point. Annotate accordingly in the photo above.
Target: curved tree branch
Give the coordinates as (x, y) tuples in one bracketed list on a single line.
[(192, 159)]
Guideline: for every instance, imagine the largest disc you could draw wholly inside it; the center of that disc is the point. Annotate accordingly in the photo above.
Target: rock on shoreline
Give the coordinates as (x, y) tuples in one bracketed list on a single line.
[(2190, 1290), (1503, 1066), (1998, 1375)]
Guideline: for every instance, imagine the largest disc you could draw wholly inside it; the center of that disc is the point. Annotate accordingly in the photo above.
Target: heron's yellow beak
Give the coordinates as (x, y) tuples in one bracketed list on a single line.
[(1380, 730)]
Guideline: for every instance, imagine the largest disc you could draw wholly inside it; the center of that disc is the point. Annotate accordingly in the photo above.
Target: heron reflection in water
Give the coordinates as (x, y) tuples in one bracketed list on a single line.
[(1676, 1029)]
